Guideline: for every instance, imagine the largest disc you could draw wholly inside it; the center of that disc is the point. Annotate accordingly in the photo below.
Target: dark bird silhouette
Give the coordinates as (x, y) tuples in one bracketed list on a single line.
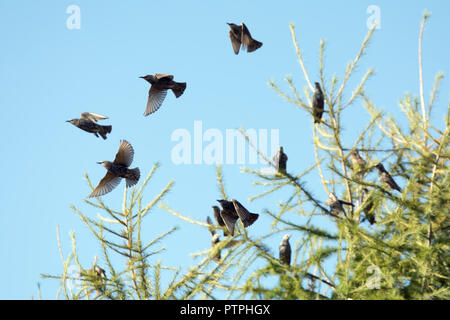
[(240, 36), (214, 239), (117, 170), (228, 215), (317, 103), (335, 205), (385, 177), (246, 217), (367, 204), (285, 250), (87, 122), (220, 221), (99, 272), (160, 83), (357, 161), (280, 160)]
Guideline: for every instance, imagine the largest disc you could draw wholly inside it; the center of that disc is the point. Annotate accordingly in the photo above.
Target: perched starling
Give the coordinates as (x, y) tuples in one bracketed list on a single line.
[(385, 177), (240, 36), (117, 170), (214, 239), (246, 217), (87, 122), (285, 250), (317, 104), (228, 215), (368, 206), (160, 83), (357, 161), (280, 160), (99, 272), (335, 205)]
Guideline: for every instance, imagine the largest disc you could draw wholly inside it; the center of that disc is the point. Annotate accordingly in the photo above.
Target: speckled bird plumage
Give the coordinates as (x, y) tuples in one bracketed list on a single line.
[(117, 170), (160, 83), (88, 122), (317, 103), (285, 250)]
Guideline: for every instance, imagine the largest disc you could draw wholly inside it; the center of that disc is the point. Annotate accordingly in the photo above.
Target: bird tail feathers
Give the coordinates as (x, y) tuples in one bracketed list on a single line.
[(178, 88), (133, 177)]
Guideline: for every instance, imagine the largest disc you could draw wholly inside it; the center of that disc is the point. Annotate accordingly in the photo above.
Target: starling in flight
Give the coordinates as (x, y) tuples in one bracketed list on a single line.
[(160, 83), (87, 122), (285, 250), (117, 170), (240, 36), (385, 177), (335, 205), (228, 215), (357, 161), (246, 217), (280, 160), (317, 103)]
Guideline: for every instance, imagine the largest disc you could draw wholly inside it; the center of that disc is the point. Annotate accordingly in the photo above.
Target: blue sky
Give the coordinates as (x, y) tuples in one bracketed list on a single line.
[(50, 74)]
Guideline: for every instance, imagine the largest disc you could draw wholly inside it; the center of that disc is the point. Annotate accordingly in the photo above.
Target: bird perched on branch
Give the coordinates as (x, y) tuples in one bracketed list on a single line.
[(117, 170), (280, 160), (285, 250), (335, 205), (240, 36), (357, 161), (367, 204), (317, 103), (88, 123), (385, 177), (160, 83)]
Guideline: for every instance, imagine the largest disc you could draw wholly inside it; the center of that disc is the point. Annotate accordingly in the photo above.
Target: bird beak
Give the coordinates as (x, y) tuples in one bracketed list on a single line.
[(67, 120), (99, 163), (141, 77)]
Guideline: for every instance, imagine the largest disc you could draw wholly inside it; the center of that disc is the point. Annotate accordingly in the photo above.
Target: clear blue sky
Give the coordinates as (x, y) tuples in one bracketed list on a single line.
[(49, 74)]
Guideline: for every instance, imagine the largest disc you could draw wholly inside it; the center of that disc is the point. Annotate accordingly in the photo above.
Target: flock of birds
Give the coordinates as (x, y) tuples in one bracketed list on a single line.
[(232, 210)]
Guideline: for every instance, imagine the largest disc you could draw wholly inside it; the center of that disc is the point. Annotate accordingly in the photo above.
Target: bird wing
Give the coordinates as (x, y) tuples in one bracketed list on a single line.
[(235, 41), (246, 217), (92, 116), (229, 218), (106, 185), (155, 100), (125, 154), (163, 75), (247, 40)]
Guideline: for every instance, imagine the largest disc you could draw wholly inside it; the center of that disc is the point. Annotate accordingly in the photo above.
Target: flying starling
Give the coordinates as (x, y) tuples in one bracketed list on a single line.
[(357, 161), (214, 239), (280, 160), (240, 36), (285, 250), (117, 170), (87, 122), (160, 83), (385, 177), (228, 215), (219, 219), (246, 217), (335, 205), (317, 103), (368, 206)]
